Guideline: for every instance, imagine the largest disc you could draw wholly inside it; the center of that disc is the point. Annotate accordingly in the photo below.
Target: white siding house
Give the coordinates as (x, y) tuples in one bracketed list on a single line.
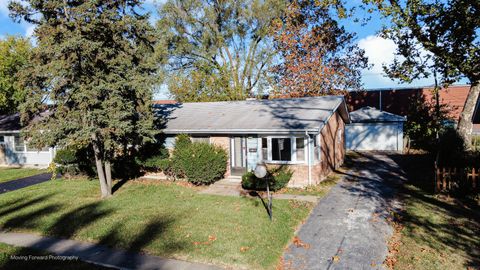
[(14, 151)]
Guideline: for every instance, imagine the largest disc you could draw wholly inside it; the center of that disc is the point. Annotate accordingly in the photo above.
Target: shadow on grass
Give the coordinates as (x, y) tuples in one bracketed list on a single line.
[(446, 224), (27, 214)]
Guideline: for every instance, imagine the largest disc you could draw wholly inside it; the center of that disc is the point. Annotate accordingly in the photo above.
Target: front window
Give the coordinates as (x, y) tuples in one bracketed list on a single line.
[(19, 143), (300, 143), (264, 148), (316, 148), (284, 149), (281, 149)]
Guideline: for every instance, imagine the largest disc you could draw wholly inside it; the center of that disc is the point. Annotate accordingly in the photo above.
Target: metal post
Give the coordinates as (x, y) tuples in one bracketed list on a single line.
[(269, 205)]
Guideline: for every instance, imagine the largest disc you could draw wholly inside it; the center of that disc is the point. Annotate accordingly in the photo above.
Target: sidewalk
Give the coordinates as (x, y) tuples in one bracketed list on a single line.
[(232, 186), (98, 254)]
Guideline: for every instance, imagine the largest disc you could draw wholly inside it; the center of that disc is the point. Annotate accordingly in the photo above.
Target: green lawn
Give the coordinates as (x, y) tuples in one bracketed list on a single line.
[(159, 218), (7, 174), (436, 232), (24, 260)]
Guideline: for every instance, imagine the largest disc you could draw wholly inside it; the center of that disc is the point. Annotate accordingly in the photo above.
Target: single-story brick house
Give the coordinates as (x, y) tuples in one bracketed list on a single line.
[(15, 151), (305, 134)]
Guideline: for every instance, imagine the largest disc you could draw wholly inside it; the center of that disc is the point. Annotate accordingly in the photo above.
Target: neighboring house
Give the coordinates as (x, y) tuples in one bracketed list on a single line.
[(400, 100), (15, 151), (372, 129), (305, 134)]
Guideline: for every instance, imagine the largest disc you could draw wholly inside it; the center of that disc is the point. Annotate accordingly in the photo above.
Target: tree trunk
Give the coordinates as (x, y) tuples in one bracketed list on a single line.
[(106, 192), (108, 175), (465, 124)]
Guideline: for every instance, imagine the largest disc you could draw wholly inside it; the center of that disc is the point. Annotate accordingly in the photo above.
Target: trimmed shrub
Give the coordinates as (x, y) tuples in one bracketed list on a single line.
[(200, 163), (278, 178), (65, 156)]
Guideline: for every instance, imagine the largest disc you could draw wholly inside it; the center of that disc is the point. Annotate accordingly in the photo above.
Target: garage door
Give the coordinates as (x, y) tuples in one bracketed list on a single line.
[(374, 136)]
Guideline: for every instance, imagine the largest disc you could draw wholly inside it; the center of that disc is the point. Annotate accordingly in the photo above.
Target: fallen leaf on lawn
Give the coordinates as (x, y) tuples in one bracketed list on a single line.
[(188, 235), (299, 243), (212, 238), (243, 249), (335, 259), (197, 243)]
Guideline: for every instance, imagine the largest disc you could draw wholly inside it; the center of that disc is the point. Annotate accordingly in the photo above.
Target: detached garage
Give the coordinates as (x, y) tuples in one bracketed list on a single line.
[(372, 129)]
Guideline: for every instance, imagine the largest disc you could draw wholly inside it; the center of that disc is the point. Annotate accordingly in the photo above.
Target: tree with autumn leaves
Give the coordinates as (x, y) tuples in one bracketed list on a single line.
[(318, 56)]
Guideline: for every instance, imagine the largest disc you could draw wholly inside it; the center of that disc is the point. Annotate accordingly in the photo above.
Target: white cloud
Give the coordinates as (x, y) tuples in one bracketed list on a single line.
[(379, 51), (29, 29), (4, 7)]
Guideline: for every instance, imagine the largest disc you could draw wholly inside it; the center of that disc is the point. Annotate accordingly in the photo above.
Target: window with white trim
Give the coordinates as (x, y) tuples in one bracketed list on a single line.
[(277, 149), (281, 149), (316, 148), (19, 143), (21, 146)]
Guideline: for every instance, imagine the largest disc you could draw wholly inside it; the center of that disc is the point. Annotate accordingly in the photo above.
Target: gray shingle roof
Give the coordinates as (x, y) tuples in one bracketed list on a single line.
[(370, 114), (10, 122), (250, 116)]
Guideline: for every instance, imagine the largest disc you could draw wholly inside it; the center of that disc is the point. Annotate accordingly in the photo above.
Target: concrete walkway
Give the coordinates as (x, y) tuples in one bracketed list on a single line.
[(24, 182), (232, 186), (98, 254), (348, 229)]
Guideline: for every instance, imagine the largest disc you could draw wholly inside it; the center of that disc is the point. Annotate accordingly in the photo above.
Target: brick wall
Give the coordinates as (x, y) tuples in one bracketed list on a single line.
[(224, 142), (332, 154), (332, 145)]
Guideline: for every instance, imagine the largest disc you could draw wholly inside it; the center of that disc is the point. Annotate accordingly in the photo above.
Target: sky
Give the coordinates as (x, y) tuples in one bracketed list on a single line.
[(378, 50)]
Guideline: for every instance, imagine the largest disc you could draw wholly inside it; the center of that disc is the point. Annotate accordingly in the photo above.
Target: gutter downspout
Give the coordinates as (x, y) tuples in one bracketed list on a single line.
[(309, 159)]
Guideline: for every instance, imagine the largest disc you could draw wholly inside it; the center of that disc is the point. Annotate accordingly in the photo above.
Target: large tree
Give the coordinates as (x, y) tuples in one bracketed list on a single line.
[(443, 35), (318, 56), (14, 55), (90, 78), (218, 49)]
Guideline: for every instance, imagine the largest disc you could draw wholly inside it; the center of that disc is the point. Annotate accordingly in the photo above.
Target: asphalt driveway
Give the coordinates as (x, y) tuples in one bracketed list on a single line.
[(348, 229), (24, 182)]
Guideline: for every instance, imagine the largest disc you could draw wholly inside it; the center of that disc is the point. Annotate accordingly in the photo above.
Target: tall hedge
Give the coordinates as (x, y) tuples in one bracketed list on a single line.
[(199, 163)]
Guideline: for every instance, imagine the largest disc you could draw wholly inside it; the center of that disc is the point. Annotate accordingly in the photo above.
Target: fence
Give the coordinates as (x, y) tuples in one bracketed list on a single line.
[(448, 179)]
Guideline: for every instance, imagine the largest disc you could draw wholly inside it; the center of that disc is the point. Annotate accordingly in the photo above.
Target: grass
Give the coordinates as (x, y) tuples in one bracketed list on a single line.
[(438, 234), (159, 218), (436, 231), (8, 174), (319, 190), (25, 260)]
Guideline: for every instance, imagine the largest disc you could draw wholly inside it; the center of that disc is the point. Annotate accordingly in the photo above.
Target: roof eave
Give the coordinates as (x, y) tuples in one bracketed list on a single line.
[(241, 131)]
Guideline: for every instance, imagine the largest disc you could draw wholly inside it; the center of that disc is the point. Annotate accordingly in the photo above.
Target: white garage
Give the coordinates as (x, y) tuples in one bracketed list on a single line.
[(372, 129)]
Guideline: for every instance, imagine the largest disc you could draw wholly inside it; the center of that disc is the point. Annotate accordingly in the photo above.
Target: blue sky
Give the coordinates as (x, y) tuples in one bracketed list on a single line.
[(377, 49)]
